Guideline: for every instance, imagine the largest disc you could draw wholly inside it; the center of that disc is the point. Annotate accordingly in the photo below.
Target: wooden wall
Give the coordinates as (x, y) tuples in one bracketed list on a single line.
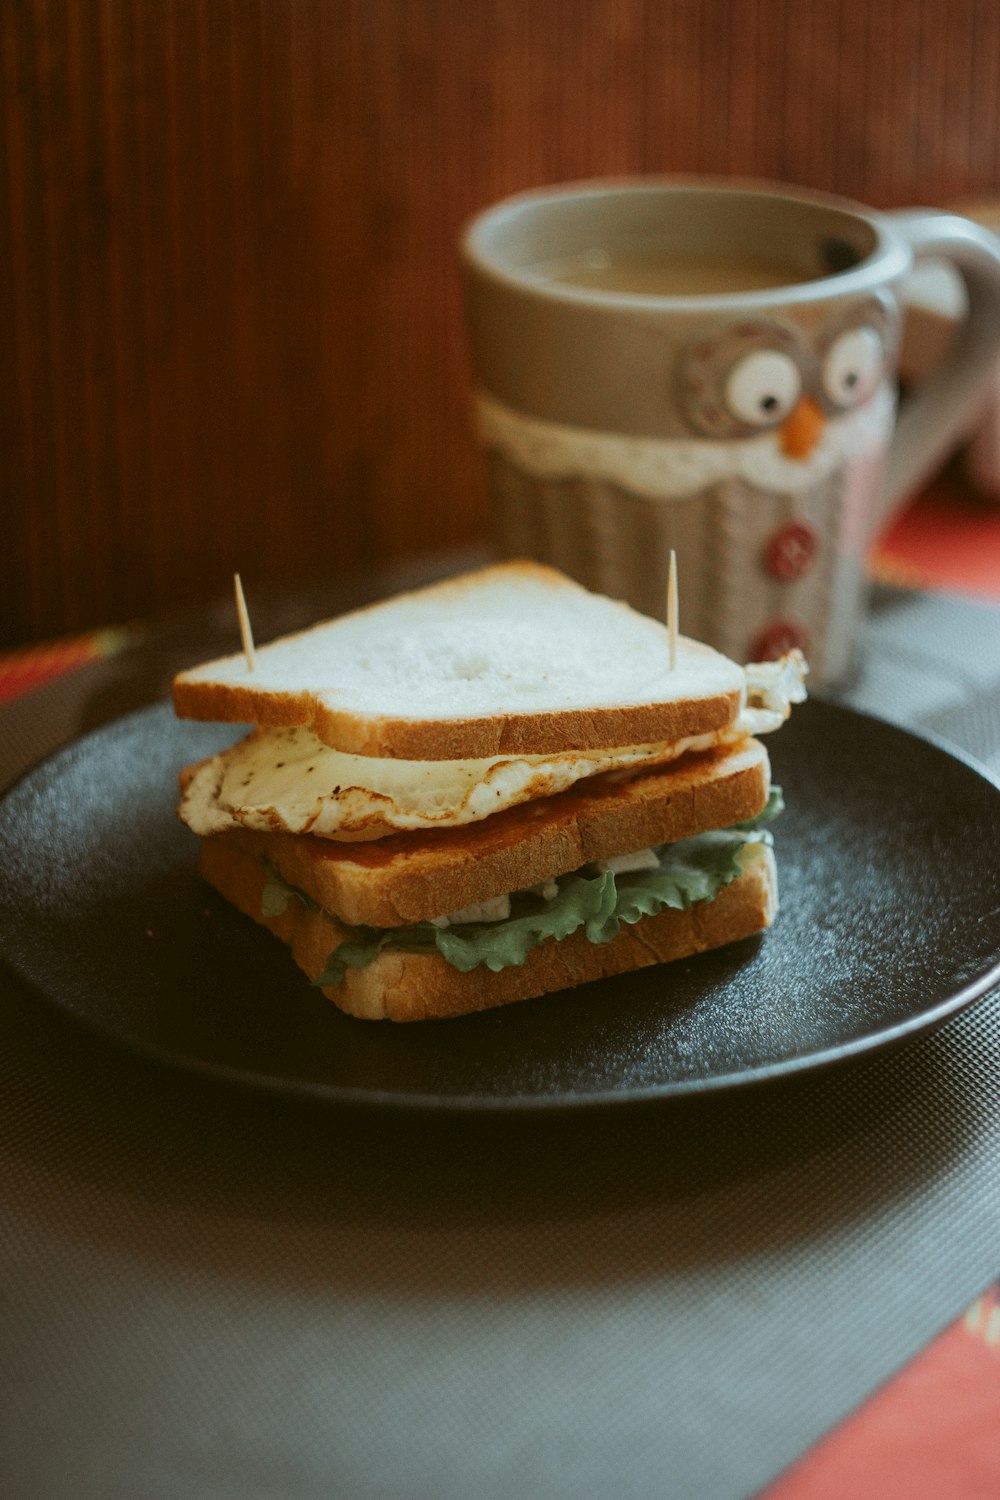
[(230, 307)]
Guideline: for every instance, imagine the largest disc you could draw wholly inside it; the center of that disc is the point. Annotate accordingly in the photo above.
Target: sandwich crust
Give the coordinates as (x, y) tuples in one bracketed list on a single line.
[(416, 986), (476, 738), (410, 877), (512, 659)]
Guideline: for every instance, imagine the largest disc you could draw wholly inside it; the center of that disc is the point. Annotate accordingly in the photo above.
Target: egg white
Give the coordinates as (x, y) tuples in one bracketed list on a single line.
[(287, 780)]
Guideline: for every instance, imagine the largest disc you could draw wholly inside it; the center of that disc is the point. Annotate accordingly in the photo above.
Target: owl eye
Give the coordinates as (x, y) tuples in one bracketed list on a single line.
[(763, 387), (853, 366)]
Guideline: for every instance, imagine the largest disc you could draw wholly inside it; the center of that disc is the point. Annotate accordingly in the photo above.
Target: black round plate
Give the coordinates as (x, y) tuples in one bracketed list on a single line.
[(889, 922)]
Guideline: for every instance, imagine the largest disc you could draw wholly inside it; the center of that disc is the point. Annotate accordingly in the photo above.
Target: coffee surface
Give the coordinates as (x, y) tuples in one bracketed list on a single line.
[(663, 275)]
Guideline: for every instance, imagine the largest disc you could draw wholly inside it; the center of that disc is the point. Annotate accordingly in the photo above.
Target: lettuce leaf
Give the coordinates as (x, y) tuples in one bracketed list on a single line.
[(277, 893), (692, 870)]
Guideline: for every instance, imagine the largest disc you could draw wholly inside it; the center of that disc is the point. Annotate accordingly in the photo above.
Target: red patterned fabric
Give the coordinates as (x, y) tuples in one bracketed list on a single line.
[(21, 671), (946, 539), (931, 1433)]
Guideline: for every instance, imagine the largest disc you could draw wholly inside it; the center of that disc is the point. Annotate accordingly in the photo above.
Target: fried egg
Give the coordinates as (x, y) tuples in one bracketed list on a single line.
[(287, 780)]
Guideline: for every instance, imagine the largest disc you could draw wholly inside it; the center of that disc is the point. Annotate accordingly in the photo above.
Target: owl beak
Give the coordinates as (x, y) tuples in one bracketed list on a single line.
[(803, 430)]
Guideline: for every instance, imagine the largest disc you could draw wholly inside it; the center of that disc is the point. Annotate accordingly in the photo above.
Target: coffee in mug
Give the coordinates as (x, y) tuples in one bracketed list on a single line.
[(667, 275)]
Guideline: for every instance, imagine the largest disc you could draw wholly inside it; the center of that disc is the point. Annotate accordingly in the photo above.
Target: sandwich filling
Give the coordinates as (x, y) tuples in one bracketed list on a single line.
[(598, 898), (287, 780)]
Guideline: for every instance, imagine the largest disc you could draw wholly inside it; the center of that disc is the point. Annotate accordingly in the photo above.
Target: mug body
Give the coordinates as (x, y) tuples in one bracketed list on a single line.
[(709, 368)]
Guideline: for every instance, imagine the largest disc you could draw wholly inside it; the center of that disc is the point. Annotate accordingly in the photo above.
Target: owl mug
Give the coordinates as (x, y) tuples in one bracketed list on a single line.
[(709, 367)]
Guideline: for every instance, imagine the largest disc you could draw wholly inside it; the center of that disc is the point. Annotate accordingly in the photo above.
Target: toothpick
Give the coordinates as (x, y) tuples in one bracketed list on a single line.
[(246, 634), (672, 608)]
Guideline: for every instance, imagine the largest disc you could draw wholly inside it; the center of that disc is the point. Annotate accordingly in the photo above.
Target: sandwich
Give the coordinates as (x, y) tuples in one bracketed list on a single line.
[(487, 790)]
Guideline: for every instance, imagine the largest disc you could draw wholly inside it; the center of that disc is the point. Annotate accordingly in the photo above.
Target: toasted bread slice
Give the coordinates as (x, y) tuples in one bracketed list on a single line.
[(402, 986), (514, 658), (411, 877)]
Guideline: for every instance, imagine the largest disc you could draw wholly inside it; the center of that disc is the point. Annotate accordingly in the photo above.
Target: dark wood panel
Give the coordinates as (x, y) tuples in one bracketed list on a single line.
[(230, 290)]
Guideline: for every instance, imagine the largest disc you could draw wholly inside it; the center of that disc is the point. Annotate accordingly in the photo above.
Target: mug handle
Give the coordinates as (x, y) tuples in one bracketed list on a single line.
[(937, 416)]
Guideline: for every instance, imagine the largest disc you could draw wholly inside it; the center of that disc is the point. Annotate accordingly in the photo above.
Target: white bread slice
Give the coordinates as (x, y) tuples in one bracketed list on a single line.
[(411, 877), (417, 986), (511, 658)]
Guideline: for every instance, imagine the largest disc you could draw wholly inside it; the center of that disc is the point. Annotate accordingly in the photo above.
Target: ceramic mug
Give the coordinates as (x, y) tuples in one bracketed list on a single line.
[(709, 367)]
